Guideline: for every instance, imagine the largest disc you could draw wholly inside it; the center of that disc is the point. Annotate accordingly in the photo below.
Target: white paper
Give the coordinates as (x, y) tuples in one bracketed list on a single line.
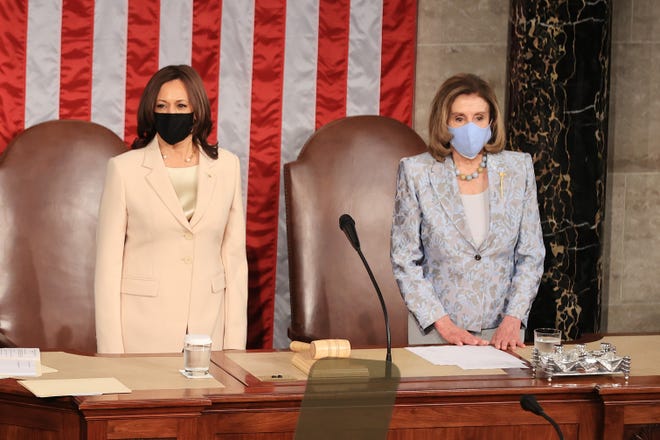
[(468, 357), (20, 362)]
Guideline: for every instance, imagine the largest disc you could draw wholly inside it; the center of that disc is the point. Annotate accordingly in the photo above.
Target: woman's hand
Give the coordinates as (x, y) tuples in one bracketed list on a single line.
[(453, 334), (507, 334)]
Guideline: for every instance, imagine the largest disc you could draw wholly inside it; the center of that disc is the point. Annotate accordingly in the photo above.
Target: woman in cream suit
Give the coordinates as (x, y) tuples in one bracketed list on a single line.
[(171, 235), (467, 249)]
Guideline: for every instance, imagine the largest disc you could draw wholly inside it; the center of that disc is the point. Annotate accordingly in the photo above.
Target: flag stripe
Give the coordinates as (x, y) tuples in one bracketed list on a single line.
[(13, 15), (109, 64), (298, 119), (76, 64), (236, 81), (264, 167), (274, 71), (142, 43), (175, 32), (206, 50), (42, 71), (363, 82), (398, 59), (334, 19)]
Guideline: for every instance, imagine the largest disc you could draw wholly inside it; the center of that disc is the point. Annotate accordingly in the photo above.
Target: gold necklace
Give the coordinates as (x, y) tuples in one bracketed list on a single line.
[(480, 169)]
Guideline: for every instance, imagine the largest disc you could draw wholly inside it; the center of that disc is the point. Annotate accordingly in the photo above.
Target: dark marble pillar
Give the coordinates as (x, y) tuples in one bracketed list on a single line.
[(557, 108)]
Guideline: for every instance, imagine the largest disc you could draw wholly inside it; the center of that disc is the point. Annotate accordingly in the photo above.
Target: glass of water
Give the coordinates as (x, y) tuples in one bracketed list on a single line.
[(545, 340), (196, 355)]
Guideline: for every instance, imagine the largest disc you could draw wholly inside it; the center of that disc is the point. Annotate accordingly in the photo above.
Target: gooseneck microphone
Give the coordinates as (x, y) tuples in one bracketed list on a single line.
[(529, 403), (347, 224)]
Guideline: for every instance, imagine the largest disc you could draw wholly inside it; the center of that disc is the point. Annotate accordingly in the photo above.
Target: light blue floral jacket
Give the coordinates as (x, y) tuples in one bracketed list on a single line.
[(436, 264)]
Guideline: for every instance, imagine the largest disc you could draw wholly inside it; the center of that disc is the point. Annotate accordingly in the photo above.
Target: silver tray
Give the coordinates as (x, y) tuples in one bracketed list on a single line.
[(580, 362)]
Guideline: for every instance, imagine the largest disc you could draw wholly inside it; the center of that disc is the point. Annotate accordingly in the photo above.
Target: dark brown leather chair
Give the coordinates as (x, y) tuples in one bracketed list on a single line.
[(347, 166), (51, 179)]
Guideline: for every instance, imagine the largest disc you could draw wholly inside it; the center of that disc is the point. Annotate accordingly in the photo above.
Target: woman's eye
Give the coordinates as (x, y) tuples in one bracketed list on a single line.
[(182, 105)]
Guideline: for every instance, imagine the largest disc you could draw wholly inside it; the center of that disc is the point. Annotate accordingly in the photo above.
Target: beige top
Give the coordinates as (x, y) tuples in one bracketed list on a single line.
[(184, 181), (477, 213)]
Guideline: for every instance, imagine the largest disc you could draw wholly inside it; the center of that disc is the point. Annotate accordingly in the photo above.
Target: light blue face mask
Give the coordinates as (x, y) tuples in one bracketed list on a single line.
[(469, 139)]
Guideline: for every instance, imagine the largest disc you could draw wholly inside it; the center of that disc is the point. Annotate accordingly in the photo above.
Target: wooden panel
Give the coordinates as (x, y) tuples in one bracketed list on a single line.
[(8, 432), (255, 436), (479, 407), (23, 421), (529, 432), (225, 425), (641, 413), (642, 432), (141, 428)]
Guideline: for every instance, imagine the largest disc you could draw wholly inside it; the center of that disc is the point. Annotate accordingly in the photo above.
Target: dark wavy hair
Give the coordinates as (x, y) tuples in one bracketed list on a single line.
[(462, 84), (202, 125)]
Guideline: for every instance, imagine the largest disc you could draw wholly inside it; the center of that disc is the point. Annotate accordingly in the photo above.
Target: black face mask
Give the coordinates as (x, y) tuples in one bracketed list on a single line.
[(173, 127)]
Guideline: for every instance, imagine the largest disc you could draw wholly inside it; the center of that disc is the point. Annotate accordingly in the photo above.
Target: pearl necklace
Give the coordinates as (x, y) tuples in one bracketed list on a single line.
[(187, 159), (480, 169)]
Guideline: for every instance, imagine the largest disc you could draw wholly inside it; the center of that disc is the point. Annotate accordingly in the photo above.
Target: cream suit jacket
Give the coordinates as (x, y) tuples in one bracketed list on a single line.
[(436, 263), (159, 275)]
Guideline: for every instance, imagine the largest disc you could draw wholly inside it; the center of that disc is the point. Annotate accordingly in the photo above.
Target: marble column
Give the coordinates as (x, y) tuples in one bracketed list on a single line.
[(557, 110)]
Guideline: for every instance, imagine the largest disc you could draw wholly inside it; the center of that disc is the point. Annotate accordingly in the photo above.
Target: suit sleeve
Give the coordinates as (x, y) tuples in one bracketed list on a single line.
[(110, 238), (236, 272), (529, 252), (407, 254)]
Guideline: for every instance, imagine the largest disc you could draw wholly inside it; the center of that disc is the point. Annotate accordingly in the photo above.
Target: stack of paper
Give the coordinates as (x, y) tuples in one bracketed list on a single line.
[(75, 387), (468, 357), (20, 362)]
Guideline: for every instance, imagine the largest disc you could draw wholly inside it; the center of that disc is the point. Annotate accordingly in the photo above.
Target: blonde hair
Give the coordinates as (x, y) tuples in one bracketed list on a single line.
[(462, 84)]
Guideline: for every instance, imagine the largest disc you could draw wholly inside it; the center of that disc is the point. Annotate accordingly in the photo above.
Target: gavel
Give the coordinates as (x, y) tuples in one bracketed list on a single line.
[(323, 348)]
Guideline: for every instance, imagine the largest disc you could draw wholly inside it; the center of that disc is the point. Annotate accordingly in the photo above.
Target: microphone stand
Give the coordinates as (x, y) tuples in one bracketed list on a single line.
[(388, 356), (554, 424), (347, 224)]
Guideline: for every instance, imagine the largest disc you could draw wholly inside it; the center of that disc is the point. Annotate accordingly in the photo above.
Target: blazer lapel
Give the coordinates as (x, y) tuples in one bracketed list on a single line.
[(206, 181), (160, 182), (443, 182), (497, 183)]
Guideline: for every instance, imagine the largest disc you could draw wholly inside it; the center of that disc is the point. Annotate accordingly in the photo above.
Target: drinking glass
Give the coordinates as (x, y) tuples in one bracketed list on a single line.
[(196, 355), (545, 340)]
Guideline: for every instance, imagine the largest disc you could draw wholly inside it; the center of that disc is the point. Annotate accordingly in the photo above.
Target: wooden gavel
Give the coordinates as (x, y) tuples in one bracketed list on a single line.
[(323, 348)]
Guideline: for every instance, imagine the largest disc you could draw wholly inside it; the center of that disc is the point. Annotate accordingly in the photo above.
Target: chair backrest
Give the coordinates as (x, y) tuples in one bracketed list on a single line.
[(347, 166), (51, 179)]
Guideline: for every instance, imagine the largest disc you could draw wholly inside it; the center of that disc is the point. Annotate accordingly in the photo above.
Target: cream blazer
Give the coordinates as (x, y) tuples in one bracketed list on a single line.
[(159, 275)]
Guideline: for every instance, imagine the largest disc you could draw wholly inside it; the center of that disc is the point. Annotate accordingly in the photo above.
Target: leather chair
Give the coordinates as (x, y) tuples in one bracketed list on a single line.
[(347, 166), (51, 179)]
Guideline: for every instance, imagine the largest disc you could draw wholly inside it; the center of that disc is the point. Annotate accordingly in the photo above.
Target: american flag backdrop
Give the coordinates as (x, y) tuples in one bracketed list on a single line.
[(275, 70)]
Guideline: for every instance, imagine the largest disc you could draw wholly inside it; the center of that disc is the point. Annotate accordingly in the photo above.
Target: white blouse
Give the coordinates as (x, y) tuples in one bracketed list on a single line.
[(477, 214)]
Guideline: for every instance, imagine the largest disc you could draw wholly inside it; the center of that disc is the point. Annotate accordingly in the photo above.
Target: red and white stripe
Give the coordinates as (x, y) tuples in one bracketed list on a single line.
[(274, 70)]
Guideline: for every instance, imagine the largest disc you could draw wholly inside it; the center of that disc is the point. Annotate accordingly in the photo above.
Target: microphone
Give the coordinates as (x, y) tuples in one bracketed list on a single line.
[(347, 224), (529, 403)]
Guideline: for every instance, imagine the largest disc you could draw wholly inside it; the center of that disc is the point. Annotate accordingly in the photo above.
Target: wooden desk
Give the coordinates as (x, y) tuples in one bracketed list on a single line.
[(465, 407)]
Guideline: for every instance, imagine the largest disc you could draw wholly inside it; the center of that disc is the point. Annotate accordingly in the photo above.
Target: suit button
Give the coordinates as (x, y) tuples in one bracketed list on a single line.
[(477, 257), (188, 236), (187, 260)]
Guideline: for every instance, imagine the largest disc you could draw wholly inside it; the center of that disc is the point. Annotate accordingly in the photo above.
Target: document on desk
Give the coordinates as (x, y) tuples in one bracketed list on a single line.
[(20, 362), (468, 357), (74, 387)]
